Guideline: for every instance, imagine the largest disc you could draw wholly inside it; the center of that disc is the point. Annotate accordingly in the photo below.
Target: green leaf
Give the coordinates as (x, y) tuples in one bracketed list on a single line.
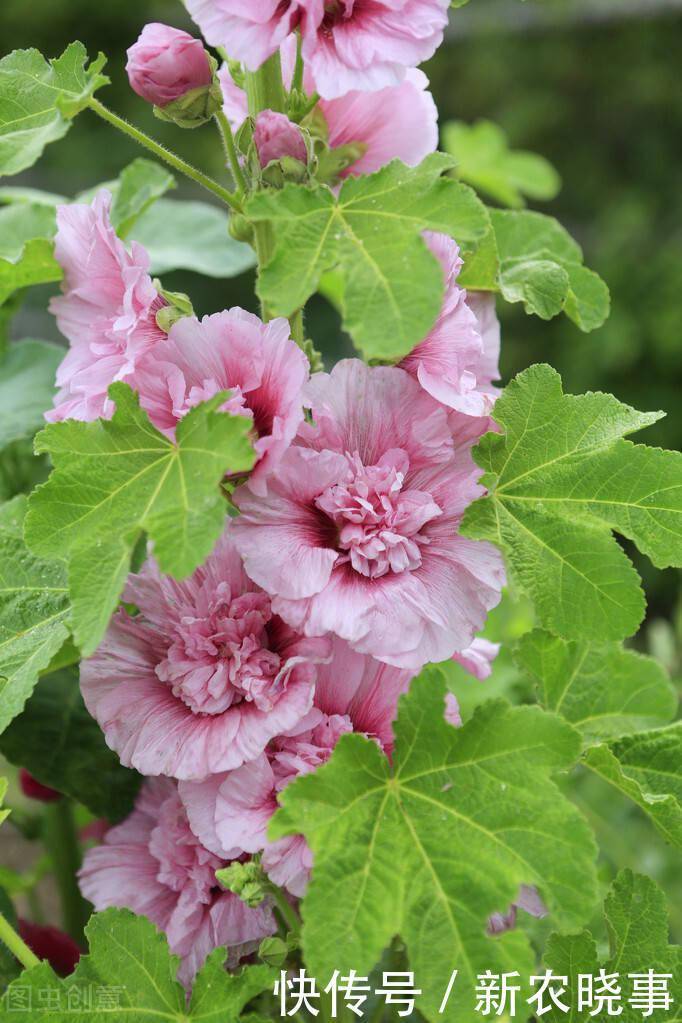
[(139, 185), (38, 100), (541, 266), (27, 374), (393, 285), (34, 196), (4, 813), (432, 845), (33, 612), (191, 236), (114, 479), (602, 689), (637, 926), (560, 478), (485, 161), (57, 740), (26, 247), (647, 768), (129, 963)]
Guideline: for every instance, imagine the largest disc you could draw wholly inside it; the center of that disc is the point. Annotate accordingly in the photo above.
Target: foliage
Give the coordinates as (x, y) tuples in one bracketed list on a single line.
[(38, 100), (432, 847), (560, 479), (430, 842), (485, 161), (95, 506), (129, 957)]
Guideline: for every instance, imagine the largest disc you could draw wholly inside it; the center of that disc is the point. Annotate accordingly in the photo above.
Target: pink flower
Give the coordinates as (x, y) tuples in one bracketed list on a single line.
[(107, 309), (230, 812), (397, 122), (528, 900), (234, 350), (347, 44), (203, 676), (276, 136), (166, 63), (457, 362), (153, 864), (358, 535), (478, 658), (250, 32)]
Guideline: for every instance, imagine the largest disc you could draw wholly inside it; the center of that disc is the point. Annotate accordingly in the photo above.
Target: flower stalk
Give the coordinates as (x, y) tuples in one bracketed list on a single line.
[(17, 945), (172, 159), (62, 843)]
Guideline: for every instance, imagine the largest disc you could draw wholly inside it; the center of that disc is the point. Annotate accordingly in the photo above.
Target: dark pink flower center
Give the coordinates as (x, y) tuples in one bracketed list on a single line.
[(379, 519), (221, 654)]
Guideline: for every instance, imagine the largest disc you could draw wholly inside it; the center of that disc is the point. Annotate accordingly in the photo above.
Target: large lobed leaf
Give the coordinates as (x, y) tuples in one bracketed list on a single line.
[(529, 257), (38, 100), (130, 968), (637, 926), (26, 258), (114, 479), (561, 478), (430, 847), (34, 608), (602, 689), (393, 284), (62, 746), (646, 768), (182, 235), (485, 161)]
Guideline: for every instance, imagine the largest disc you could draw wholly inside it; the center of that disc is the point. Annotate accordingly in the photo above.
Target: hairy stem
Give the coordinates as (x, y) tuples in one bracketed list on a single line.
[(17, 945), (230, 150), (174, 161), (62, 843)]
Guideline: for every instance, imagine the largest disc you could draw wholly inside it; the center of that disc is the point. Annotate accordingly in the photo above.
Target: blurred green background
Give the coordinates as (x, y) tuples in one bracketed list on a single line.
[(593, 85)]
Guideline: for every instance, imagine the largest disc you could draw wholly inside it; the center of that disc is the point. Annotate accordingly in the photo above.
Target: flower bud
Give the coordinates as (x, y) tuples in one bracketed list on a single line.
[(172, 70), (178, 305), (32, 788), (276, 138), (246, 880)]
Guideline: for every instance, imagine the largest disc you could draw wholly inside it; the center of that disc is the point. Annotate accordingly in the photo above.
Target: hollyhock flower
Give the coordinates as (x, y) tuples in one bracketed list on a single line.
[(166, 63), (478, 658), (397, 122), (107, 310), (51, 944), (275, 136), (529, 900), (348, 44), (230, 811), (358, 535), (203, 676), (458, 360), (154, 865), (234, 350)]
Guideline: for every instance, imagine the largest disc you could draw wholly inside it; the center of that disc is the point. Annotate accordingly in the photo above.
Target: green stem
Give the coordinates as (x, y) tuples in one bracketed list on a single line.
[(62, 843), (297, 80), (225, 130), (265, 88), (285, 909), (176, 162), (16, 945), (297, 327)]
